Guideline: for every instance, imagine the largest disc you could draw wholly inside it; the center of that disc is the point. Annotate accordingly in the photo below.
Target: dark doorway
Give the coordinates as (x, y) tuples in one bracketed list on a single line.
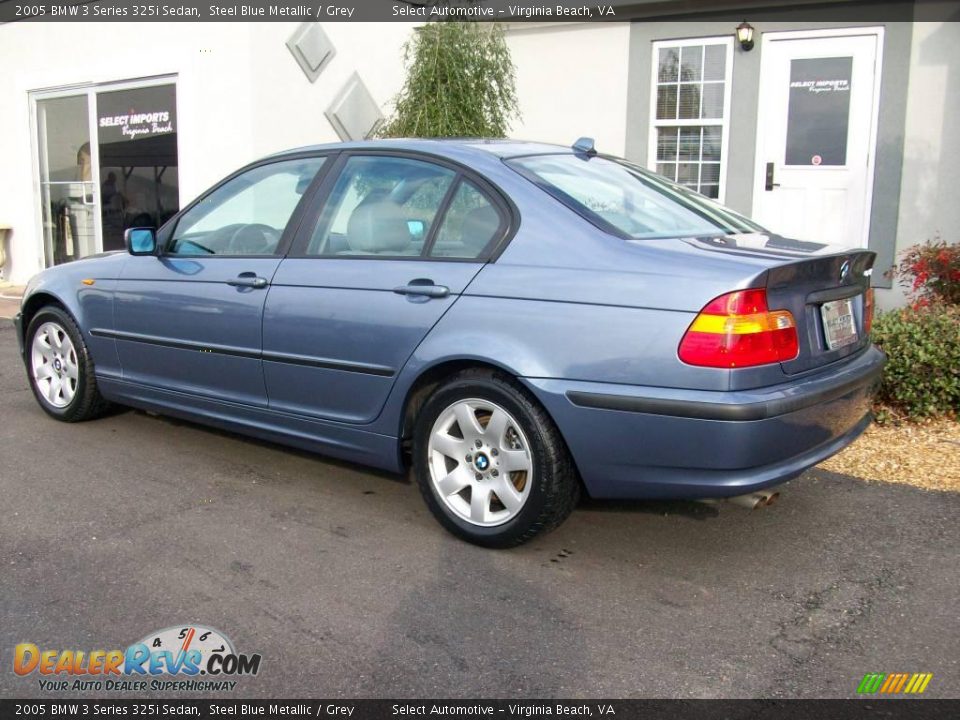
[(137, 134)]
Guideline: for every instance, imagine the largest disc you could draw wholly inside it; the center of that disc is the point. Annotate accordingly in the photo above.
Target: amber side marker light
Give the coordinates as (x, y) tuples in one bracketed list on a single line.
[(88, 281), (739, 330)]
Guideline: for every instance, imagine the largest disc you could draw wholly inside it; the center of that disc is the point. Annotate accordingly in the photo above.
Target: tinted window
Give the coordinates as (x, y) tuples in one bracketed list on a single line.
[(247, 215), (381, 206), (469, 225), (628, 200)]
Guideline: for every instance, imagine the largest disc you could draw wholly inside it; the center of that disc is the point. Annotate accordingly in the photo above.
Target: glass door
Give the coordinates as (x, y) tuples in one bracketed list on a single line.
[(68, 178), (108, 161), (137, 158)]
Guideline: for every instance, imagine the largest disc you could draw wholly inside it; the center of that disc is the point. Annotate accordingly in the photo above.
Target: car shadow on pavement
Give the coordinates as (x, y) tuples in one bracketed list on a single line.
[(684, 508)]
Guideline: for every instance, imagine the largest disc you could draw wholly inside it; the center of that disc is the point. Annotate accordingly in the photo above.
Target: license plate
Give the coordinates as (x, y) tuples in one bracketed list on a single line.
[(838, 323)]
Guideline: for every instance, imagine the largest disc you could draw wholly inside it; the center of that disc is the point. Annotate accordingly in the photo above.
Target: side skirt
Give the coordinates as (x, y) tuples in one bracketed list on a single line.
[(319, 436)]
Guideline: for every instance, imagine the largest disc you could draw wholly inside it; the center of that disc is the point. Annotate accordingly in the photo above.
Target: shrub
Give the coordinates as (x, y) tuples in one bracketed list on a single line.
[(932, 272), (922, 376), (460, 83)]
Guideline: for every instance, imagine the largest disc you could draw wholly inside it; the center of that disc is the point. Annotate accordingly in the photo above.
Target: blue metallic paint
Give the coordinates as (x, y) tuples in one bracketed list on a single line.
[(563, 307)]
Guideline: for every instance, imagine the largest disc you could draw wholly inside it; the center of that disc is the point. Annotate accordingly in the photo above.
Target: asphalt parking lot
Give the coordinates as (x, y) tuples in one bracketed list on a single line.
[(344, 583)]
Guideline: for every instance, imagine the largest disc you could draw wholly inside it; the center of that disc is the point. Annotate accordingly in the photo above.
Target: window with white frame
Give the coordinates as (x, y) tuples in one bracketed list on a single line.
[(690, 110)]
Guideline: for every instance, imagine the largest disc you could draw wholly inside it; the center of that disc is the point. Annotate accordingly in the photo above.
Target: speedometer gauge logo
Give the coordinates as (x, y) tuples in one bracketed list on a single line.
[(190, 650), (201, 642)]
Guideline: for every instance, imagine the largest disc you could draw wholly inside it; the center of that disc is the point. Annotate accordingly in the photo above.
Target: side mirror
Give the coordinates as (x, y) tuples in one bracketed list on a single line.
[(141, 241)]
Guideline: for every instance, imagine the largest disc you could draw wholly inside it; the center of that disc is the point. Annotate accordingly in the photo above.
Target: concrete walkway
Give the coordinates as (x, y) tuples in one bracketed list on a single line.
[(10, 300)]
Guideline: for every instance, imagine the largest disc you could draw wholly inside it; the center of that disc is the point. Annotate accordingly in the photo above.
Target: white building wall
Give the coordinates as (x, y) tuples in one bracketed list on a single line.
[(931, 143), (240, 95), (571, 82)]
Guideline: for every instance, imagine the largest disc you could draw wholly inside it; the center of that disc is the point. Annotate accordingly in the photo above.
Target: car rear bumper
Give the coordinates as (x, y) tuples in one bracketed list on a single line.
[(643, 442)]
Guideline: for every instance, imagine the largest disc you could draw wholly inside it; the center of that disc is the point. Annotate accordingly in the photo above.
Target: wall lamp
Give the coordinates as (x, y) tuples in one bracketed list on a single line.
[(745, 36)]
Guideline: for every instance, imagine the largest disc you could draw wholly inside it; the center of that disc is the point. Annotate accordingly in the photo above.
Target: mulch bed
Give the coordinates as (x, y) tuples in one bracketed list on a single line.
[(925, 455)]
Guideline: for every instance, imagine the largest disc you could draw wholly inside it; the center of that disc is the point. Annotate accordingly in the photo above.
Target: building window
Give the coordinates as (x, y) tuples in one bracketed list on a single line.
[(690, 109)]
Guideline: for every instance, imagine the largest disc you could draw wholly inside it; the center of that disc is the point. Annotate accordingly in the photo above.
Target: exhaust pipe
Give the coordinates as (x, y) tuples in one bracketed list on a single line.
[(751, 501)]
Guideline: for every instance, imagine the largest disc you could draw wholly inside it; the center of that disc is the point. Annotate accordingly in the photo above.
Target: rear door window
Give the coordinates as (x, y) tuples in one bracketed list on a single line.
[(471, 225), (381, 206)]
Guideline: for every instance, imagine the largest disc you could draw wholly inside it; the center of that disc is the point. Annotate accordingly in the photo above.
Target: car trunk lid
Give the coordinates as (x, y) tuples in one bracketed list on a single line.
[(823, 286), (827, 296)]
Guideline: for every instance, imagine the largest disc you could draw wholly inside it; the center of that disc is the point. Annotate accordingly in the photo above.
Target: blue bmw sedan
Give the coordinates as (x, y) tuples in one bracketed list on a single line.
[(515, 322)]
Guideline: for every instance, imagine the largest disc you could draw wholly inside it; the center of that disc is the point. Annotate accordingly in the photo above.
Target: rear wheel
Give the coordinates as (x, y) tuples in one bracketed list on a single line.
[(60, 367), (490, 463)]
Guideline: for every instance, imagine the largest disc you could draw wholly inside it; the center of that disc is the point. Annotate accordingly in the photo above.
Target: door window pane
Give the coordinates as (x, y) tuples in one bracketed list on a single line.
[(469, 226), (137, 135), (247, 215), (67, 191), (381, 206), (818, 117)]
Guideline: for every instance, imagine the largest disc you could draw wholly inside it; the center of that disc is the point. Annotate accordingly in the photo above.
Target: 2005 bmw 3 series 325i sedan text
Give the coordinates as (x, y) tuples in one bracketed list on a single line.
[(518, 322)]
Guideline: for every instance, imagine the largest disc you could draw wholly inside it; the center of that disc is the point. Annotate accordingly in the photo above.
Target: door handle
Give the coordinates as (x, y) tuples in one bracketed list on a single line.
[(770, 184), (248, 280), (423, 288)]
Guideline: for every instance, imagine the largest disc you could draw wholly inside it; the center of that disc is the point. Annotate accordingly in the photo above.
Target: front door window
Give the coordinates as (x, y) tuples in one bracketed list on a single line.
[(246, 215)]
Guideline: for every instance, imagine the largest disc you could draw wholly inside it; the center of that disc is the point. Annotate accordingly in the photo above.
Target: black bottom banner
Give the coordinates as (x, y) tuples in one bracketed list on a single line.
[(376, 709)]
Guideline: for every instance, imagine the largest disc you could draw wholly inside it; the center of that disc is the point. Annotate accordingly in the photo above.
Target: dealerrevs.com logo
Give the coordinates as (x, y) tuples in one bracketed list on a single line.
[(177, 658)]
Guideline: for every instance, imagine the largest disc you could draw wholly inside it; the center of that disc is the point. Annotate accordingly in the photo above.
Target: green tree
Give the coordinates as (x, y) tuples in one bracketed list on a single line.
[(460, 83)]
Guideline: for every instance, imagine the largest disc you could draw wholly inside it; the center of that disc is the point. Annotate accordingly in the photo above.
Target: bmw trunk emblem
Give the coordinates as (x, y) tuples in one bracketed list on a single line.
[(844, 270)]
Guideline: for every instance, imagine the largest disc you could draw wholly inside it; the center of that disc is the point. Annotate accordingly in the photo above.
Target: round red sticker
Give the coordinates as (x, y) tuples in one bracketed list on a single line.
[(816, 160)]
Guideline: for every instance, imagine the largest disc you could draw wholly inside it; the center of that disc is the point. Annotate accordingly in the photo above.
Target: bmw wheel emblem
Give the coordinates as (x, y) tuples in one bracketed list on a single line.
[(482, 462)]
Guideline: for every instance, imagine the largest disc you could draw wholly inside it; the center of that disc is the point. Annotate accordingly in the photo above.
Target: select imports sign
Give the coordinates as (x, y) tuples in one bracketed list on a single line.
[(137, 113)]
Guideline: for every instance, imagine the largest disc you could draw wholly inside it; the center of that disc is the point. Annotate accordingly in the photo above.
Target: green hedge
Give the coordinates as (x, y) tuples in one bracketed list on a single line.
[(922, 376)]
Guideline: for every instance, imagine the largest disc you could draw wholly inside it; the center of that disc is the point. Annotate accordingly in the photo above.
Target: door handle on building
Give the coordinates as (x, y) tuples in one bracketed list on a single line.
[(770, 184)]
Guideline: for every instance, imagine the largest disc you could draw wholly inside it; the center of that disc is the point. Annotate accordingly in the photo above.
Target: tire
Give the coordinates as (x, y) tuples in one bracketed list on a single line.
[(514, 450), (60, 369)]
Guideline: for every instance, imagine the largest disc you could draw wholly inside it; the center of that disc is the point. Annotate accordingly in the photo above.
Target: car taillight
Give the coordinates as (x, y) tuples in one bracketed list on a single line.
[(739, 330), (867, 311)]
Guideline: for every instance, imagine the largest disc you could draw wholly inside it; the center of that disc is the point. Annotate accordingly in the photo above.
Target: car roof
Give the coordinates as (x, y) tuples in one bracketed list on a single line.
[(452, 147)]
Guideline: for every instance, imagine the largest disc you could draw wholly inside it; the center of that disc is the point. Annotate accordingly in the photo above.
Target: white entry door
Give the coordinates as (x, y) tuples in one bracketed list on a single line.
[(817, 133)]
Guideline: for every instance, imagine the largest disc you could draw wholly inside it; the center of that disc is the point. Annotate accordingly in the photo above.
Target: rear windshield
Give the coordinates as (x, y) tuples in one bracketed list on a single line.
[(627, 200)]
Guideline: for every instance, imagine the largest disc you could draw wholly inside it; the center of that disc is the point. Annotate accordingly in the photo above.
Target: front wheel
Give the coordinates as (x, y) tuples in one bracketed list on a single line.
[(60, 368), (490, 463)]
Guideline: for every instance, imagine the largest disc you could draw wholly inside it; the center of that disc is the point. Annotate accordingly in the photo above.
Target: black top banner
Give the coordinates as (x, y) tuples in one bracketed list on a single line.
[(468, 10), (501, 709)]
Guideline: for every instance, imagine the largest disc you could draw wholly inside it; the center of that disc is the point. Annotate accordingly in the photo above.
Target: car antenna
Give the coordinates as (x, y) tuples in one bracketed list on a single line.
[(585, 145)]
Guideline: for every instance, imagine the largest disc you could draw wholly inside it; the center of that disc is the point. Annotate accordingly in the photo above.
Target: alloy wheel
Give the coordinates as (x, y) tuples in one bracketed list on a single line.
[(54, 364), (480, 462)]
